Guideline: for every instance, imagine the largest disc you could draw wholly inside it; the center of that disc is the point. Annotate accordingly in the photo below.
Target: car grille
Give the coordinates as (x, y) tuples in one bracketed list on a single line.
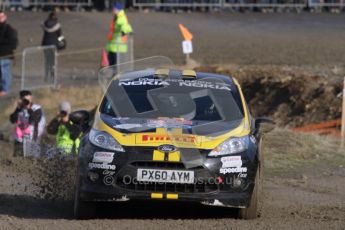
[(204, 187), (162, 165)]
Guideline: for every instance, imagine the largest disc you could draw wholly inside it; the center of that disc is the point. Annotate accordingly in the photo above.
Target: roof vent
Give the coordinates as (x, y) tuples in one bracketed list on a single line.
[(162, 73), (188, 74)]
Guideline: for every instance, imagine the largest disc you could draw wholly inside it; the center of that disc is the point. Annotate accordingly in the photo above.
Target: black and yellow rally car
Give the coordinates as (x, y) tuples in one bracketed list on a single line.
[(176, 135)]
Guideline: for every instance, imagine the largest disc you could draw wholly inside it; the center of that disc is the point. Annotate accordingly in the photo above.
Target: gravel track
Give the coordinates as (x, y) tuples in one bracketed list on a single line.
[(303, 200)]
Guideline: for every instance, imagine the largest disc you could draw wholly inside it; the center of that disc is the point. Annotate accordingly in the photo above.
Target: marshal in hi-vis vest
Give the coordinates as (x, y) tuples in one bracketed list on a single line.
[(116, 42), (64, 141)]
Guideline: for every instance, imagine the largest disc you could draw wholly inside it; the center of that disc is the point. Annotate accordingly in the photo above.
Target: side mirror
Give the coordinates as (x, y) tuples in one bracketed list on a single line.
[(82, 118), (264, 125)]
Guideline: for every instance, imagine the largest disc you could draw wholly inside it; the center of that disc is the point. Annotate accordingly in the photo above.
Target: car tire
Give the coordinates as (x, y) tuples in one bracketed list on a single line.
[(82, 209), (255, 207)]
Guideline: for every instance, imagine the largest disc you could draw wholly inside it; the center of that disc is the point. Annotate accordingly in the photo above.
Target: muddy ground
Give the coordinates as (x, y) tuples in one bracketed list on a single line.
[(305, 174), (304, 187)]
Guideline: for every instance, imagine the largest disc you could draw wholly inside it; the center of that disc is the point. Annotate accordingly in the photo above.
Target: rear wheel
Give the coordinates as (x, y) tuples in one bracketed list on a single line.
[(82, 209)]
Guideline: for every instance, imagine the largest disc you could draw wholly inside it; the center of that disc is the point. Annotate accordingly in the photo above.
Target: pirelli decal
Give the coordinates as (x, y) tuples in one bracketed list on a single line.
[(161, 138)]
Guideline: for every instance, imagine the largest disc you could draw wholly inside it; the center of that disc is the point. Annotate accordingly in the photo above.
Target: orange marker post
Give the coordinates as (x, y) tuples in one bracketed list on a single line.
[(188, 36), (187, 45), (104, 59)]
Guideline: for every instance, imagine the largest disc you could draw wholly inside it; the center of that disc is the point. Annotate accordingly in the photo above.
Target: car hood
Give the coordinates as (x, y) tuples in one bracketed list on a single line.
[(131, 132)]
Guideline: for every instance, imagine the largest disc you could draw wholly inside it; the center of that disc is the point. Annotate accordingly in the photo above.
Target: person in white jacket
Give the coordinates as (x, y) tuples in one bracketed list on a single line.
[(29, 123)]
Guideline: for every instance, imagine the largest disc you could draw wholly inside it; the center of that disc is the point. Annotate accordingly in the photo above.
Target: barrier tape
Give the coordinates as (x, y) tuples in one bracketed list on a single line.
[(80, 51), (18, 54)]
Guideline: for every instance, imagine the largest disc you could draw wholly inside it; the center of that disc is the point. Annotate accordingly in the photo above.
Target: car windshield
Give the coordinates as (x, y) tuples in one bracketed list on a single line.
[(204, 106)]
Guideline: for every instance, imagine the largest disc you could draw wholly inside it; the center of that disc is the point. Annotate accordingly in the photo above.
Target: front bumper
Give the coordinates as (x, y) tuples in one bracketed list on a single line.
[(211, 187)]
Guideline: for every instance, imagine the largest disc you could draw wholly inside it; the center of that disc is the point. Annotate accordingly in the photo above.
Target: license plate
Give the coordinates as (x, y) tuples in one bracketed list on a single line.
[(165, 176)]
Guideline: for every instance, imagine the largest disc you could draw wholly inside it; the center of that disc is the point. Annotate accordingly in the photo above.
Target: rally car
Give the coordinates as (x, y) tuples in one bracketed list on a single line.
[(167, 134)]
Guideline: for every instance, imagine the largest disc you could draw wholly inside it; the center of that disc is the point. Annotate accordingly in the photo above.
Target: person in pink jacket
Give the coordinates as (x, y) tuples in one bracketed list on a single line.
[(29, 122)]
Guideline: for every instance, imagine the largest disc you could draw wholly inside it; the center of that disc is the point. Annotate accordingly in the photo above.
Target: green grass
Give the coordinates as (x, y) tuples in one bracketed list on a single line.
[(288, 152)]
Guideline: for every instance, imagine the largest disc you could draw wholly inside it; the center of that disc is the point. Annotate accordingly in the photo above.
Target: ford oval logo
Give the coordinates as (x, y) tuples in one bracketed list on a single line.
[(167, 148)]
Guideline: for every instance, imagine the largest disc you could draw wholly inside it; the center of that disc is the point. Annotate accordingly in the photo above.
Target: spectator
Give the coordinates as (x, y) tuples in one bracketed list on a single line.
[(8, 43), (29, 120), (117, 37), (67, 133), (51, 35), (52, 30)]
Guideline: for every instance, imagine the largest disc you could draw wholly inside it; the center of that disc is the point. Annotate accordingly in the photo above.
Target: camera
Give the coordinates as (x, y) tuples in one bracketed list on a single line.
[(25, 102), (63, 113)]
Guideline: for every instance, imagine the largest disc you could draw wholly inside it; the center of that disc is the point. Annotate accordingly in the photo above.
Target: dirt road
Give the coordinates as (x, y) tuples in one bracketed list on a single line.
[(305, 175), (316, 204), (304, 187), (219, 38)]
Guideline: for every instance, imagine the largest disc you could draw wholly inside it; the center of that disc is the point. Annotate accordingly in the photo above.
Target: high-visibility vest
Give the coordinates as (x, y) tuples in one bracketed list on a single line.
[(64, 141), (116, 42)]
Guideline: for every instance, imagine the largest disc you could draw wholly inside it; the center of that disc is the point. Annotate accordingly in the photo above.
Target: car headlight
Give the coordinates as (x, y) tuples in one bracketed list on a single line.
[(104, 140), (231, 146)]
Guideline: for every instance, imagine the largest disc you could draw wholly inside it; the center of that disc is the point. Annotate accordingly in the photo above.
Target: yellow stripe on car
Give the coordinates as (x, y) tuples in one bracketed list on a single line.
[(157, 195), (158, 156), (174, 156), (172, 196)]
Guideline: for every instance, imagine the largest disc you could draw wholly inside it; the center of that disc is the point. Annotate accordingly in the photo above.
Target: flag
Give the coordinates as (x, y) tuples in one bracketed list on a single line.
[(185, 33)]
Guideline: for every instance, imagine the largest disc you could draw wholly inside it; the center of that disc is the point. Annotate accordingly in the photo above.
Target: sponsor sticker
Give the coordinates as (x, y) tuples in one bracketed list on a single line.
[(204, 85), (233, 170), (157, 138), (108, 172), (144, 81), (102, 166), (242, 175), (127, 126), (168, 122), (103, 157), (231, 161), (186, 83)]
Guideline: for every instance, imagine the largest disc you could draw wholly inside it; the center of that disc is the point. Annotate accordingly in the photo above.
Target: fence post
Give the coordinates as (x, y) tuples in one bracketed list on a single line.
[(55, 68), (343, 118), (23, 70)]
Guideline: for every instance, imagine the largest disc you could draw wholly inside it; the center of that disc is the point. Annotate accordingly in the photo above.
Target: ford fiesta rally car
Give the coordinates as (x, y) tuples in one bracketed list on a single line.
[(172, 135)]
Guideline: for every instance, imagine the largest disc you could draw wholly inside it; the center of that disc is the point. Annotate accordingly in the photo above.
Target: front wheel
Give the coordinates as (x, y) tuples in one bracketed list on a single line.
[(82, 209), (254, 209)]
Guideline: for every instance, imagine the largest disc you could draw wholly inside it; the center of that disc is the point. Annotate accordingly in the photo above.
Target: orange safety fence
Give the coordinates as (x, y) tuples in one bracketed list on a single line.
[(324, 128)]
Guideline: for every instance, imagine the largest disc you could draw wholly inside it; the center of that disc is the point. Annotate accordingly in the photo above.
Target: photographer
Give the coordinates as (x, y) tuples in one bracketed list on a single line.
[(29, 120), (67, 133)]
